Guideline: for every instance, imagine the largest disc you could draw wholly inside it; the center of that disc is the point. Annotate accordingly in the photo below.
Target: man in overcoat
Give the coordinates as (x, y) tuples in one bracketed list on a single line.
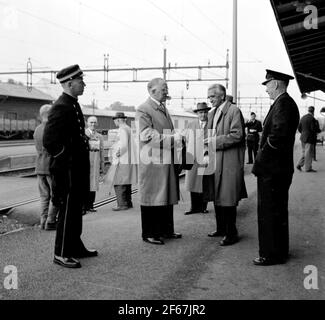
[(96, 161), (158, 177), (65, 140), (274, 169), (197, 131), (126, 168), (226, 151)]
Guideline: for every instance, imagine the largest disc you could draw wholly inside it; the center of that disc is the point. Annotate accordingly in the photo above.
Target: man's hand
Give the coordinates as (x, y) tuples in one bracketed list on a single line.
[(118, 153)]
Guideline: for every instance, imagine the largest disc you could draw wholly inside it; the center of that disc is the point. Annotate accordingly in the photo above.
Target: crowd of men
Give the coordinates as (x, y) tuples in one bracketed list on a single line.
[(215, 143)]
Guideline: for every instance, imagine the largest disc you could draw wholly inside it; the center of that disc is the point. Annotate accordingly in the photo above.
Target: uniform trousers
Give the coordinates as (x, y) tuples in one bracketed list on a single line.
[(91, 200), (252, 147), (197, 203), (67, 195), (272, 214), (157, 221), (226, 220)]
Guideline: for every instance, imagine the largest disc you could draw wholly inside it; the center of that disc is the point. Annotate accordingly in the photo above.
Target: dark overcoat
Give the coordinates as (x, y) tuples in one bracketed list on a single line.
[(308, 128)]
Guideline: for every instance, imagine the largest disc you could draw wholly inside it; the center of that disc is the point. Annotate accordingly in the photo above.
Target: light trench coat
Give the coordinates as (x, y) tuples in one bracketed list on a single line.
[(227, 183), (158, 180), (124, 168), (96, 158), (195, 145)]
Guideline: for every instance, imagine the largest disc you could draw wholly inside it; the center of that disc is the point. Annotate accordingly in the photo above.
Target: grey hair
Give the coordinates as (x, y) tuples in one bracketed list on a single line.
[(44, 110), (90, 117), (218, 87), (154, 82)]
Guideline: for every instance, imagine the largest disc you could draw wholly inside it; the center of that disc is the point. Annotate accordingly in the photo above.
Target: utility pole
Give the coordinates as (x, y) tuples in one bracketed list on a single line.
[(165, 58), (234, 51)]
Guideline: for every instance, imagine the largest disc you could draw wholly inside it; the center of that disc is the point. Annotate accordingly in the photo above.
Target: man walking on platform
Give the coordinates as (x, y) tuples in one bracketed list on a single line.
[(274, 169), (65, 140), (308, 129)]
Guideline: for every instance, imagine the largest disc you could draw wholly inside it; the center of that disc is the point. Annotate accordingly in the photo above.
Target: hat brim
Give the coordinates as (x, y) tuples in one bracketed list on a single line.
[(197, 110), (266, 81), (114, 118)]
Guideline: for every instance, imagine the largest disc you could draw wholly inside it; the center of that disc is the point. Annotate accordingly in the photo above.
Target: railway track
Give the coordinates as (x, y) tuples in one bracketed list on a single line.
[(16, 143)]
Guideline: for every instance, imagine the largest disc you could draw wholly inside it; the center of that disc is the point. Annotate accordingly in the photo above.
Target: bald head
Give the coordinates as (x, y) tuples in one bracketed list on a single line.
[(44, 111), (158, 89)]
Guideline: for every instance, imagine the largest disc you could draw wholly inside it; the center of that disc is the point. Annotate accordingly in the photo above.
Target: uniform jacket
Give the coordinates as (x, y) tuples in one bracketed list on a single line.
[(158, 180), (65, 140), (253, 135), (96, 158), (227, 183), (195, 145), (42, 157), (275, 155), (308, 129)]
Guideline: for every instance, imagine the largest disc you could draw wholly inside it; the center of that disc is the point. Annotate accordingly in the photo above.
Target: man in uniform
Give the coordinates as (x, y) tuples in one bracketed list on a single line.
[(65, 140), (253, 128), (158, 179), (196, 133), (274, 169)]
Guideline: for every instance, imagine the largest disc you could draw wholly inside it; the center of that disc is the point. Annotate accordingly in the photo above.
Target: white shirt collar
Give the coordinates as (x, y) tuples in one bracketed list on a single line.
[(154, 100)]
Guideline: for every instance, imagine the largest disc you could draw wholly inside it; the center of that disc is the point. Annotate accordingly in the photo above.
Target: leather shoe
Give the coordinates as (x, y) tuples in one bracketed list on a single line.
[(215, 234), (311, 170), (262, 261), (173, 236), (120, 208), (153, 240), (298, 167), (87, 254), (92, 210), (67, 262), (249, 162), (228, 241), (190, 212), (50, 226)]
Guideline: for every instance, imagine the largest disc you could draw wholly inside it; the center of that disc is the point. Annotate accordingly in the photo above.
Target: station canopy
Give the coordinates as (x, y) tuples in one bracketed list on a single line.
[(304, 43)]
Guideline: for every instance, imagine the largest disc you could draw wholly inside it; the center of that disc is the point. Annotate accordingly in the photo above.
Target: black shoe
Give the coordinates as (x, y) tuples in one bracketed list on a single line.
[(120, 208), (92, 210), (130, 205), (262, 261), (311, 170), (49, 226), (153, 240), (205, 211), (86, 254), (67, 262), (216, 234), (249, 162), (228, 241), (190, 212), (173, 236), (298, 167)]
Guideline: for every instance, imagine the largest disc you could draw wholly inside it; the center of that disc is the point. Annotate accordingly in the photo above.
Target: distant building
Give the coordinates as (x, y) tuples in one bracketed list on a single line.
[(19, 110)]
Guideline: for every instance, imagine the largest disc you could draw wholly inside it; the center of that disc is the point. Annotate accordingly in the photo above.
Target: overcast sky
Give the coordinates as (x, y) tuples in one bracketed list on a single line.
[(55, 34)]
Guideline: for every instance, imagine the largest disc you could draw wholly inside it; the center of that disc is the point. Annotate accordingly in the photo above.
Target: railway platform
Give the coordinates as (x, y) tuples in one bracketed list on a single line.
[(194, 267)]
